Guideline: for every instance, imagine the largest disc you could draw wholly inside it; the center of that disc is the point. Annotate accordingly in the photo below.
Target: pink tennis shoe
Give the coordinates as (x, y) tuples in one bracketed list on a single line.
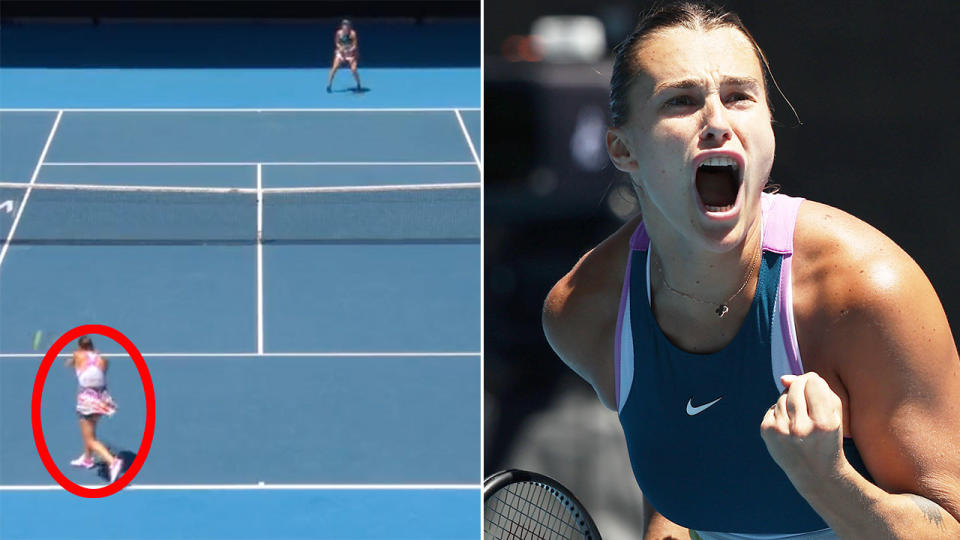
[(84, 461), (115, 469)]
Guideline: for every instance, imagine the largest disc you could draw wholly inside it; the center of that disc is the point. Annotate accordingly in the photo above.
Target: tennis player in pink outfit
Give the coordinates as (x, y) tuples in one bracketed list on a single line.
[(93, 401)]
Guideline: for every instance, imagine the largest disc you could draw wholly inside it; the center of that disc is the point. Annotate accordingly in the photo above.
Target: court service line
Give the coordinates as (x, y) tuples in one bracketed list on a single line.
[(259, 486), (253, 163), (246, 110), (466, 135), (33, 180), (129, 188), (268, 355), (148, 163), (259, 259)]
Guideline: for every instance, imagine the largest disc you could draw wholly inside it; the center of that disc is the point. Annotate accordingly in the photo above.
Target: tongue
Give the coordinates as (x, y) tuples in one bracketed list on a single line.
[(716, 188)]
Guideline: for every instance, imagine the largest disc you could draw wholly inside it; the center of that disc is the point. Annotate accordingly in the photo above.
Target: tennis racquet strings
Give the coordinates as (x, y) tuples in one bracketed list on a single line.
[(522, 505)]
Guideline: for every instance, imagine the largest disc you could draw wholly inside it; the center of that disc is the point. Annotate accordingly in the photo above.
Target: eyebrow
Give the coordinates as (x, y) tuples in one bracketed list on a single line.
[(686, 84)]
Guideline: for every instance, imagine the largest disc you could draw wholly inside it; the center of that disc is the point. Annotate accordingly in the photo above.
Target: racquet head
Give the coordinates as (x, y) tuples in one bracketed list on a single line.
[(523, 505)]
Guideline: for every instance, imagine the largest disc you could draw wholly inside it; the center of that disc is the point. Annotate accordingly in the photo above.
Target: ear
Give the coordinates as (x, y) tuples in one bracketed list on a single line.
[(619, 151)]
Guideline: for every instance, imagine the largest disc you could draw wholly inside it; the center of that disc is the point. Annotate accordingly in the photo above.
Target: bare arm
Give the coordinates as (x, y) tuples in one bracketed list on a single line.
[(903, 379), (580, 313), (883, 330)]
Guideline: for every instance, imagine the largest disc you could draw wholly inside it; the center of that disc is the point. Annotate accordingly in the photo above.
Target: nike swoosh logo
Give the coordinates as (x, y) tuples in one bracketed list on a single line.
[(691, 410)]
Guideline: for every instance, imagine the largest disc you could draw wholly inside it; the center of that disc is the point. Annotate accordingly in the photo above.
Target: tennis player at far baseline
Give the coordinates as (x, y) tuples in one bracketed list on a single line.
[(780, 368), (346, 50)]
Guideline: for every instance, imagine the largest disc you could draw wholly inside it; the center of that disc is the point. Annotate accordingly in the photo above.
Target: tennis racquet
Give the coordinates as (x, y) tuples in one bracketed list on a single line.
[(524, 505)]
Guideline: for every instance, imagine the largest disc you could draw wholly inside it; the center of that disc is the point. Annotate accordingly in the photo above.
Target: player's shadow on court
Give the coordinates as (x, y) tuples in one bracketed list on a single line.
[(103, 472), (351, 90)]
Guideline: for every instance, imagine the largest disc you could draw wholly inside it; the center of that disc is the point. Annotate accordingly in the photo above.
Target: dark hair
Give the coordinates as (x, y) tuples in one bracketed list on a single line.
[(692, 15), (346, 22), (85, 343)]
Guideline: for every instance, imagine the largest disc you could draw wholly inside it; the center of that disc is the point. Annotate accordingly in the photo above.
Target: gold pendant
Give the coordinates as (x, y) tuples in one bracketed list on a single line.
[(722, 310)]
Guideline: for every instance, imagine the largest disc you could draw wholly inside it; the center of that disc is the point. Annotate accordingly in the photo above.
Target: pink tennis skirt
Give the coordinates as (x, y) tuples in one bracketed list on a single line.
[(95, 401)]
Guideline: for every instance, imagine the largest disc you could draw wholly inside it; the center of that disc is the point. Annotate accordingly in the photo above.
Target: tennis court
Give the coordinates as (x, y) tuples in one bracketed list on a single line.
[(304, 285)]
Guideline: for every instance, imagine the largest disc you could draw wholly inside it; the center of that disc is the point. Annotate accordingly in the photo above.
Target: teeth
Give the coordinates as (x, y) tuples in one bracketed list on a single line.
[(720, 161), (711, 208)]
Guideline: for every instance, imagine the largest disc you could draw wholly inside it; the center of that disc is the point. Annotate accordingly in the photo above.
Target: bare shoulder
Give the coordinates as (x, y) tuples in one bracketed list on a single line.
[(852, 282), (580, 312), (845, 267), (823, 230), (868, 317)]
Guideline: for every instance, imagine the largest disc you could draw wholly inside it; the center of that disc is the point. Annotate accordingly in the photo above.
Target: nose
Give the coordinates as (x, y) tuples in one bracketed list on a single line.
[(716, 127)]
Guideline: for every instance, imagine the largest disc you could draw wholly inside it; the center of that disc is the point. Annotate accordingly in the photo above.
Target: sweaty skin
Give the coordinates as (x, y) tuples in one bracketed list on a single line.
[(881, 364)]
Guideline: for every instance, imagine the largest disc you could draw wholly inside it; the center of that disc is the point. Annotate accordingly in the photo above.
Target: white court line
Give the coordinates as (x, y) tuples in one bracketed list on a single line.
[(244, 191), (247, 110), (26, 195), (269, 355), (466, 135), (386, 187), (259, 259), (253, 163), (148, 163), (235, 487), (105, 187)]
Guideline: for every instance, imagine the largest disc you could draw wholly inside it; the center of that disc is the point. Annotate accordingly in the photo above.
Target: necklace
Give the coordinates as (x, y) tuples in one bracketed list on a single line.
[(723, 308)]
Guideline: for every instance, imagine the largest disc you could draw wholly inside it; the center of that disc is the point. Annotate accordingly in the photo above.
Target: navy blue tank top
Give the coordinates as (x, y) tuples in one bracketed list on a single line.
[(692, 421)]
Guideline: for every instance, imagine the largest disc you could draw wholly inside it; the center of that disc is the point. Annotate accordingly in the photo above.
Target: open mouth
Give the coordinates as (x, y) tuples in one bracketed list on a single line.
[(718, 182)]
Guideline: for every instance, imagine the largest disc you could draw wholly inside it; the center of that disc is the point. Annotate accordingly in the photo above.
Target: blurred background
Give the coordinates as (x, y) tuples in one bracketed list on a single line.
[(871, 82)]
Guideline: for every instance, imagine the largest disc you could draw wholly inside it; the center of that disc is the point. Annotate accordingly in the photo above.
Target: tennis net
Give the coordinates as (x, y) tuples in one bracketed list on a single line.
[(96, 214)]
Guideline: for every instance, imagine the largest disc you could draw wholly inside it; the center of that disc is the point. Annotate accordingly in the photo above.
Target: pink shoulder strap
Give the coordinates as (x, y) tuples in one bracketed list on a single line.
[(779, 221), (640, 240)]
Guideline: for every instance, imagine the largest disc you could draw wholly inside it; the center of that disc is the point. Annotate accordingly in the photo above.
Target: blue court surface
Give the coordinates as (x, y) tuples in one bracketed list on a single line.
[(304, 285)]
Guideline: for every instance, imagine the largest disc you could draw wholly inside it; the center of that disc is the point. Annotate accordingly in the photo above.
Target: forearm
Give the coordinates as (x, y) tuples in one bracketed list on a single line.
[(856, 509)]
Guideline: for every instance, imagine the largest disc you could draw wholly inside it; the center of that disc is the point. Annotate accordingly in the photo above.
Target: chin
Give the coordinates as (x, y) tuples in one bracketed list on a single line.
[(720, 232)]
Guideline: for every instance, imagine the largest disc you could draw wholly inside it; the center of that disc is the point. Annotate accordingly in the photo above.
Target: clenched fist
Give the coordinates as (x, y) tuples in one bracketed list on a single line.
[(803, 430)]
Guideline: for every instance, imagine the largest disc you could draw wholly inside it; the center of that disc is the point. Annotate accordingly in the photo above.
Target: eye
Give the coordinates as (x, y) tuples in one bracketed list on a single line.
[(679, 101), (739, 96)]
